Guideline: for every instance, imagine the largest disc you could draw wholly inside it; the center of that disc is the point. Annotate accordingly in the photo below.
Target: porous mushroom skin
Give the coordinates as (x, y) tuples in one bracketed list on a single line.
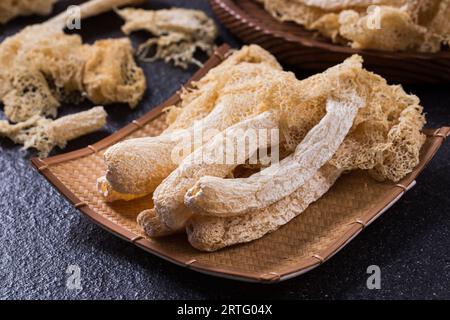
[(41, 67), (401, 154), (111, 74), (246, 84), (134, 167), (218, 158), (208, 233), (397, 32), (152, 224), (44, 134), (388, 25), (227, 197), (132, 160), (177, 33)]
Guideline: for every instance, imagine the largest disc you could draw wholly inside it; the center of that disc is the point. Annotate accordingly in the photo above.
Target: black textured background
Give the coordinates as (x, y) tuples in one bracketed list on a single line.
[(41, 234)]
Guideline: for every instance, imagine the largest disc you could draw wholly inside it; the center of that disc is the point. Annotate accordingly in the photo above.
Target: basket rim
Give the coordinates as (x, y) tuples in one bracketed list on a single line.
[(305, 265), (235, 11)]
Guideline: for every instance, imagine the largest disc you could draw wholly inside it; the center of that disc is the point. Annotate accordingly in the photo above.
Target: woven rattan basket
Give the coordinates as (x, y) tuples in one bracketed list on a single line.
[(317, 234)]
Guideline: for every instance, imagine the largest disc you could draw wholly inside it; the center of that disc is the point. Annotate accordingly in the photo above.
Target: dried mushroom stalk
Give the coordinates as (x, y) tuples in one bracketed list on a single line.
[(229, 197), (40, 67), (417, 25), (152, 224), (135, 166), (179, 33), (44, 134), (211, 159), (10, 9), (110, 195), (209, 233)]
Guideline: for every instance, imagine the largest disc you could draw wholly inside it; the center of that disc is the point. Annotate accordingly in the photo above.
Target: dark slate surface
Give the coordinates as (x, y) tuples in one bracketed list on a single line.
[(41, 234)]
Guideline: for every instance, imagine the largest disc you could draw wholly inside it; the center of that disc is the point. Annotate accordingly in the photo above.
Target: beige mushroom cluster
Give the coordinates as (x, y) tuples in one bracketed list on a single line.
[(343, 119), (44, 134), (42, 67), (177, 34), (390, 25)]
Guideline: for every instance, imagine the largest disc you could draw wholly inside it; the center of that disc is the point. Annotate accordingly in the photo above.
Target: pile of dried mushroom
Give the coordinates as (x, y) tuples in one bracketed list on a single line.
[(391, 25), (42, 67), (343, 119)]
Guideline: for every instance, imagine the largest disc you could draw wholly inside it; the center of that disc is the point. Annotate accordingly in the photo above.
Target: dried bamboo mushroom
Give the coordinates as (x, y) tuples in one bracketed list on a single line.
[(208, 233), (152, 224), (110, 195), (134, 166), (37, 73), (9, 9), (251, 82), (400, 25), (383, 137), (111, 75), (40, 67), (216, 196), (179, 33), (44, 72), (368, 146), (211, 159), (44, 134)]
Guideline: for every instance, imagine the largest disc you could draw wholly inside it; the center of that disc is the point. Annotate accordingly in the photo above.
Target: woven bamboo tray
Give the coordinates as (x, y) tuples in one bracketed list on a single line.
[(317, 234), (294, 45)]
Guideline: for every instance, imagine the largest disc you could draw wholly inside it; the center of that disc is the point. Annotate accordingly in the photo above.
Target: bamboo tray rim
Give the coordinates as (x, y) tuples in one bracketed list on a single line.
[(307, 264), (235, 10)]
